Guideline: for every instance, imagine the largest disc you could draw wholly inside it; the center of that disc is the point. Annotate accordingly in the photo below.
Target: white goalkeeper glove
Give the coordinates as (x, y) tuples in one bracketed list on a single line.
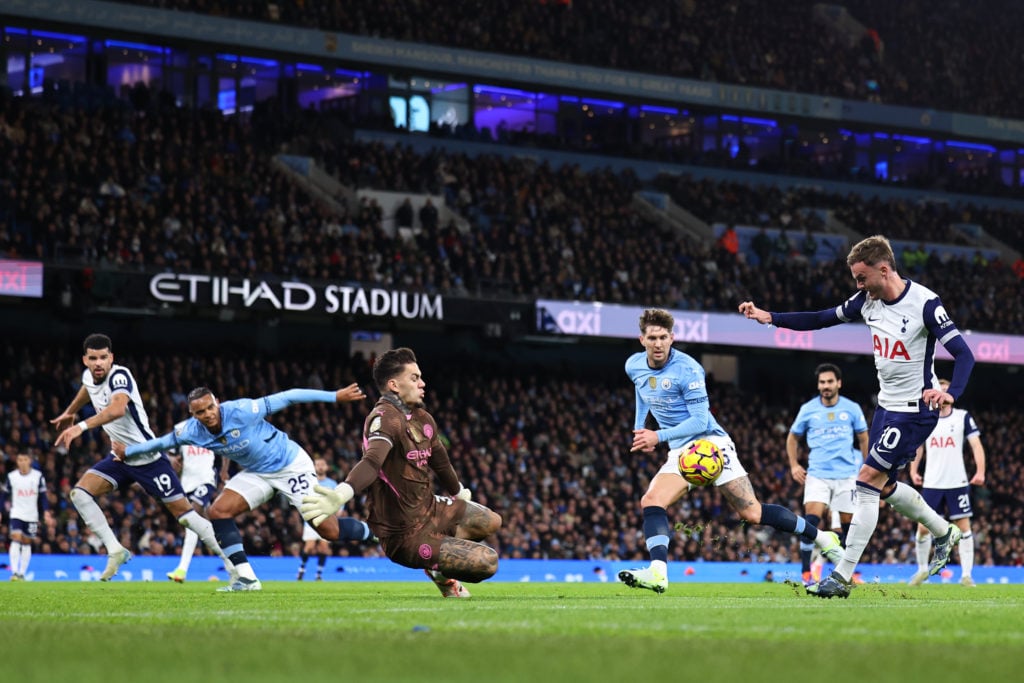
[(325, 502), (464, 493)]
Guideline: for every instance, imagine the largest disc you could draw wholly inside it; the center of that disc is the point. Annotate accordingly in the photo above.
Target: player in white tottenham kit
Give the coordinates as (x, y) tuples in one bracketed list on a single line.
[(119, 410), (905, 320), (945, 485), (199, 481), (27, 490)]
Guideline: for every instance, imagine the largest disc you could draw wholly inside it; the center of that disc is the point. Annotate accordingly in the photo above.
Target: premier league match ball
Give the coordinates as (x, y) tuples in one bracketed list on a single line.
[(701, 462)]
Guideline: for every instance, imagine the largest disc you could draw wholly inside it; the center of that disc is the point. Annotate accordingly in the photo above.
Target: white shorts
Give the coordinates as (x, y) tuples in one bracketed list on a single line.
[(835, 493), (733, 468), (294, 481), (309, 533)]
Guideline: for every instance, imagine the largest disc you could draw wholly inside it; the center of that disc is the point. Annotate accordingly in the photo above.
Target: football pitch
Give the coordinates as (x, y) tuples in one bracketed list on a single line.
[(396, 631)]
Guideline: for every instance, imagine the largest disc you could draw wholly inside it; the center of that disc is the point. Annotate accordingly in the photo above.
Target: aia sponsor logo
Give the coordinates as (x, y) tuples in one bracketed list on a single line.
[(891, 349), (942, 442)]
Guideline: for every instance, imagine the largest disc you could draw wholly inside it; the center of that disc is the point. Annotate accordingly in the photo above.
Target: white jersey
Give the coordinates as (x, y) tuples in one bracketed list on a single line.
[(133, 426), (196, 466), (903, 336), (944, 451), (25, 490)]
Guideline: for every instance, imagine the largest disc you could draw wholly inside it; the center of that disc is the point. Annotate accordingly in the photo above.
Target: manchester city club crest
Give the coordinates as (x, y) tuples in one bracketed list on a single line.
[(235, 433), (666, 384)]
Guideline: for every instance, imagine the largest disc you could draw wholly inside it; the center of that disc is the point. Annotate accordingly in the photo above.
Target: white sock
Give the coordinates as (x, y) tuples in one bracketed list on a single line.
[(909, 503), (966, 548), (26, 555), (865, 519), (923, 550), (94, 518), (203, 529), (15, 554), (245, 571), (188, 548)]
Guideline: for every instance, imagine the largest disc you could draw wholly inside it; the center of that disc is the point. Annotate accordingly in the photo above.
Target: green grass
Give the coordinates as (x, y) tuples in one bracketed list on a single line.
[(357, 632)]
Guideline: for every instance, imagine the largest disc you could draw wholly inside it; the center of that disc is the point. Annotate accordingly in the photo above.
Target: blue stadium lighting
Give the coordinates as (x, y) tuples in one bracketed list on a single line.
[(914, 139), (309, 67), (970, 145), (750, 120), (448, 88), (16, 31), (652, 109), (495, 90), (881, 136), (359, 74), (258, 61), (55, 36), (143, 47), (604, 103), (847, 133)]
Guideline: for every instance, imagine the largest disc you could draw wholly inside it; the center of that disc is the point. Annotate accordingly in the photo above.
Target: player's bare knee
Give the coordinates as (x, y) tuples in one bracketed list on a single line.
[(492, 524), (328, 530)]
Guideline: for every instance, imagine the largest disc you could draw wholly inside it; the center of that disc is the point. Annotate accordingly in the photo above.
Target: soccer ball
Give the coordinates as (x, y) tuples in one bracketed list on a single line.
[(701, 462)]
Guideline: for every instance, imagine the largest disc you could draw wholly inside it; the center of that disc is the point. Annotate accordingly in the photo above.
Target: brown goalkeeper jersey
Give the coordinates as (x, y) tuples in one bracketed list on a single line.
[(400, 448)]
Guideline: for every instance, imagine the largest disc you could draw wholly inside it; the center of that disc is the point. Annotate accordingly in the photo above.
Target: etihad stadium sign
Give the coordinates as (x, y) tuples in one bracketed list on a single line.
[(250, 293)]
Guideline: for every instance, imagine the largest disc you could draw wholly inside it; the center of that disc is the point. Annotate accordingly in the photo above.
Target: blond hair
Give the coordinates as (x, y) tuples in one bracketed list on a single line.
[(872, 251)]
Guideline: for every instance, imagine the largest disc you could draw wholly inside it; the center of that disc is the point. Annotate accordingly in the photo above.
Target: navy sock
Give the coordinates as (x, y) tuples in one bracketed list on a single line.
[(656, 531), (353, 530), (230, 540), (846, 530), (784, 519)]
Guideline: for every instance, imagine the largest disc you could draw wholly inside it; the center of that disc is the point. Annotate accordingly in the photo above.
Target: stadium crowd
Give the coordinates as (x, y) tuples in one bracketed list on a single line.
[(191, 190), (547, 450), (955, 57)]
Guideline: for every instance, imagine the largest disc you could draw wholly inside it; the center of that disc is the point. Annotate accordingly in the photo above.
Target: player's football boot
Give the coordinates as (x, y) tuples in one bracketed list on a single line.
[(807, 578), (943, 549), (834, 586), (918, 578), (648, 578), (450, 588), (177, 576), (967, 581), (831, 548), (241, 585), (17, 577), (114, 563)]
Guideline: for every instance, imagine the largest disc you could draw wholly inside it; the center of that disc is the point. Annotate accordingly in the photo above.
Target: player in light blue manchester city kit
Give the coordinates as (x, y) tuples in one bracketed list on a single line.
[(828, 423), (905, 320), (270, 461), (670, 388)]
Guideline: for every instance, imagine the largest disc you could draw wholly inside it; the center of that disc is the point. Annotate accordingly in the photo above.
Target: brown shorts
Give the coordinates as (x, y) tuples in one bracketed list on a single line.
[(421, 547)]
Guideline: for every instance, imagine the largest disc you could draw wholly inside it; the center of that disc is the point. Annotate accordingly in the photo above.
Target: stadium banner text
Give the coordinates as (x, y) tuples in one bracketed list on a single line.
[(595, 319), (191, 290), (155, 568), (21, 278)]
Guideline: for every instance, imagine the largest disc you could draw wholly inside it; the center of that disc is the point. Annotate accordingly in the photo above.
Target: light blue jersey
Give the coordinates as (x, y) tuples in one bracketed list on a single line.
[(246, 437), (676, 395), (830, 431)]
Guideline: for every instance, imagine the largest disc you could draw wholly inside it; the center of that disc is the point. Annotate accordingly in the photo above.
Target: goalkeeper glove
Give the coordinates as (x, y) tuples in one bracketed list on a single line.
[(464, 493), (325, 502)]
